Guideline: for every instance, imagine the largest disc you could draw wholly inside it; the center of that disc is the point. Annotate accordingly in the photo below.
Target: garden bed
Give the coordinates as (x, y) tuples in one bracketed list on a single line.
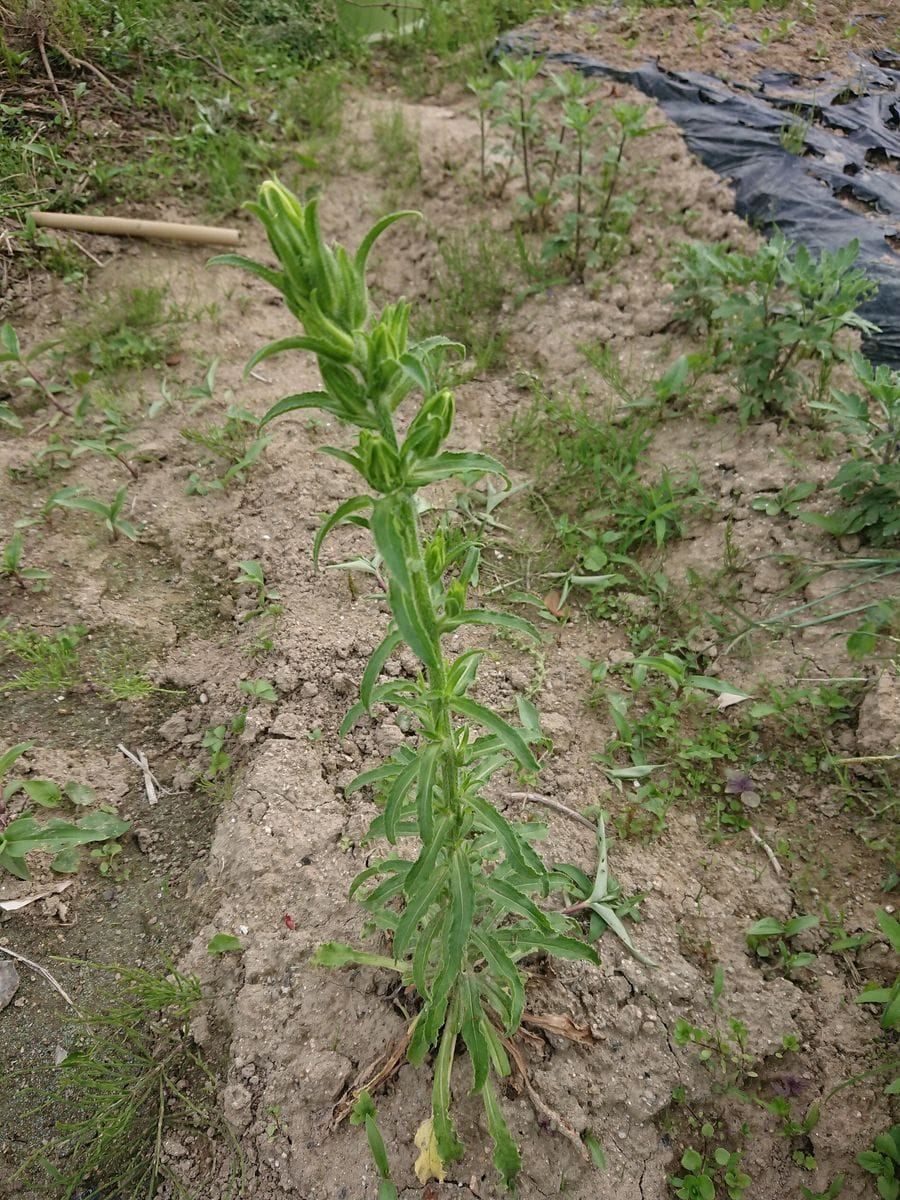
[(265, 846)]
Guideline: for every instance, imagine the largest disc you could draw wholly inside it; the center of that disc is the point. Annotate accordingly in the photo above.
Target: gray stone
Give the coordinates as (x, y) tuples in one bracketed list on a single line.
[(9, 981)]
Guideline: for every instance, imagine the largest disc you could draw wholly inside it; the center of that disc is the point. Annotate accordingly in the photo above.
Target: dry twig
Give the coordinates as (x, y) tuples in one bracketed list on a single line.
[(42, 971), (556, 805)]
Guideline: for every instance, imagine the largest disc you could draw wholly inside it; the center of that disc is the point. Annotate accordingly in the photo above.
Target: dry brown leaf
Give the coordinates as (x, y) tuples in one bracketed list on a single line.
[(727, 699), (562, 1025), (372, 1077), (24, 901)]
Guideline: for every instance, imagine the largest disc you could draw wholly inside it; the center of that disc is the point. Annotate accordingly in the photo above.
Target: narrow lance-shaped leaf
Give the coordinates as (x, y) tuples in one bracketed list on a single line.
[(303, 400), (506, 1158), (510, 737), (340, 516), (375, 665)]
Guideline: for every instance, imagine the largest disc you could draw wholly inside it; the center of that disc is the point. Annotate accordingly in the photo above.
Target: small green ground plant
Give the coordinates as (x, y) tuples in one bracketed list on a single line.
[(772, 319), (22, 833), (131, 1076), (464, 912), (869, 483), (550, 133), (883, 1161)]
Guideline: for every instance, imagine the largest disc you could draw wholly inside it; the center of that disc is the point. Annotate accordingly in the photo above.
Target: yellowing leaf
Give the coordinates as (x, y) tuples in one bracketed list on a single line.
[(429, 1164)]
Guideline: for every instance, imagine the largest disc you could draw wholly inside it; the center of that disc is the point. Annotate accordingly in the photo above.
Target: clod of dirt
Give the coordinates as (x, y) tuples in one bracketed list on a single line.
[(9, 982), (879, 718)]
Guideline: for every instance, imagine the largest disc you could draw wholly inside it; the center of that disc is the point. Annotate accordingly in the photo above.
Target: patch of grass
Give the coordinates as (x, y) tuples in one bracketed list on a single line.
[(138, 327), (39, 662), (397, 148), (590, 477), (477, 276), (131, 1075)]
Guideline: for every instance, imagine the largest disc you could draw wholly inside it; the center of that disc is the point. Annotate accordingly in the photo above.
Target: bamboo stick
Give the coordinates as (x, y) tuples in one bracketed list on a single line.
[(131, 227)]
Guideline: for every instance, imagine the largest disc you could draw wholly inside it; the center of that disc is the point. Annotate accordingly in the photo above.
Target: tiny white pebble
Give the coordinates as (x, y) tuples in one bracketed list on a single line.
[(244, 928)]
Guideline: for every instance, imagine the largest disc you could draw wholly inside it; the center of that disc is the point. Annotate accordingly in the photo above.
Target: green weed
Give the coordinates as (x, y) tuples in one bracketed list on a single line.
[(466, 914), (136, 328), (43, 663), (476, 279), (869, 484), (768, 315), (131, 1075), (21, 832)]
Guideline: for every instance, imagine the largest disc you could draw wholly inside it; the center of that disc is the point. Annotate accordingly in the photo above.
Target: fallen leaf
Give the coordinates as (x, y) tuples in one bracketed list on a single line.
[(289, 921), (553, 605), (13, 905), (562, 1025), (429, 1164), (726, 699)]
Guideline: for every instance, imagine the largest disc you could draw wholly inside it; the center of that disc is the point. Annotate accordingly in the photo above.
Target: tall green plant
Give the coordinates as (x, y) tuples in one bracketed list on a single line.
[(462, 915)]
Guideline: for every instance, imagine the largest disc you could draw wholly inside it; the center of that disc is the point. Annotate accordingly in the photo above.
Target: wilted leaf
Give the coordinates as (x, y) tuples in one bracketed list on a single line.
[(562, 1025), (429, 1164), (24, 901), (727, 699)]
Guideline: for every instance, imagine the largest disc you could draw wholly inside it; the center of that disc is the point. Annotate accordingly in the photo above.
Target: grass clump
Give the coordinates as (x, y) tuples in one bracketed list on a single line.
[(139, 327), (477, 275), (131, 1076)]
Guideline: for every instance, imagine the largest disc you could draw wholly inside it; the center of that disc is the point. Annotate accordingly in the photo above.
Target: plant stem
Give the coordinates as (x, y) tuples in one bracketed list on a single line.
[(526, 165)]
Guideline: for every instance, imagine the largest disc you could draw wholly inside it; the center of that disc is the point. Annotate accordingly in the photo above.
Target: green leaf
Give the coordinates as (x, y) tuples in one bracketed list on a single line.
[(9, 756), (301, 401), (518, 853), (80, 793), (379, 1153), (473, 1032), (513, 900), (103, 825), (524, 938), (484, 616), (448, 1144), (766, 927), (890, 928), (9, 340), (15, 865), (44, 792), (692, 1161), (511, 738), (362, 254), (503, 972), (417, 906), (452, 464), (595, 1149), (275, 278), (375, 666), (337, 954), (224, 943), (261, 689), (67, 861), (396, 797), (410, 625), (425, 791), (387, 524), (506, 1158), (340, 516)]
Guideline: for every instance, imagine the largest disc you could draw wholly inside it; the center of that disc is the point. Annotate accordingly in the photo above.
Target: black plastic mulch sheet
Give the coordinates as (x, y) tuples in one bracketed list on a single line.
[(736, 130)]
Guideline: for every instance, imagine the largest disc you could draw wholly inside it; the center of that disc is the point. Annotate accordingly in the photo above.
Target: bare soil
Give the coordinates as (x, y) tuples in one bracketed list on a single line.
[(270, 857)]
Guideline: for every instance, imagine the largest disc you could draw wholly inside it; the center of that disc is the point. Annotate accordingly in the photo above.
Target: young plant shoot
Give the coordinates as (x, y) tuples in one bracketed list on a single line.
[(463, 915)]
